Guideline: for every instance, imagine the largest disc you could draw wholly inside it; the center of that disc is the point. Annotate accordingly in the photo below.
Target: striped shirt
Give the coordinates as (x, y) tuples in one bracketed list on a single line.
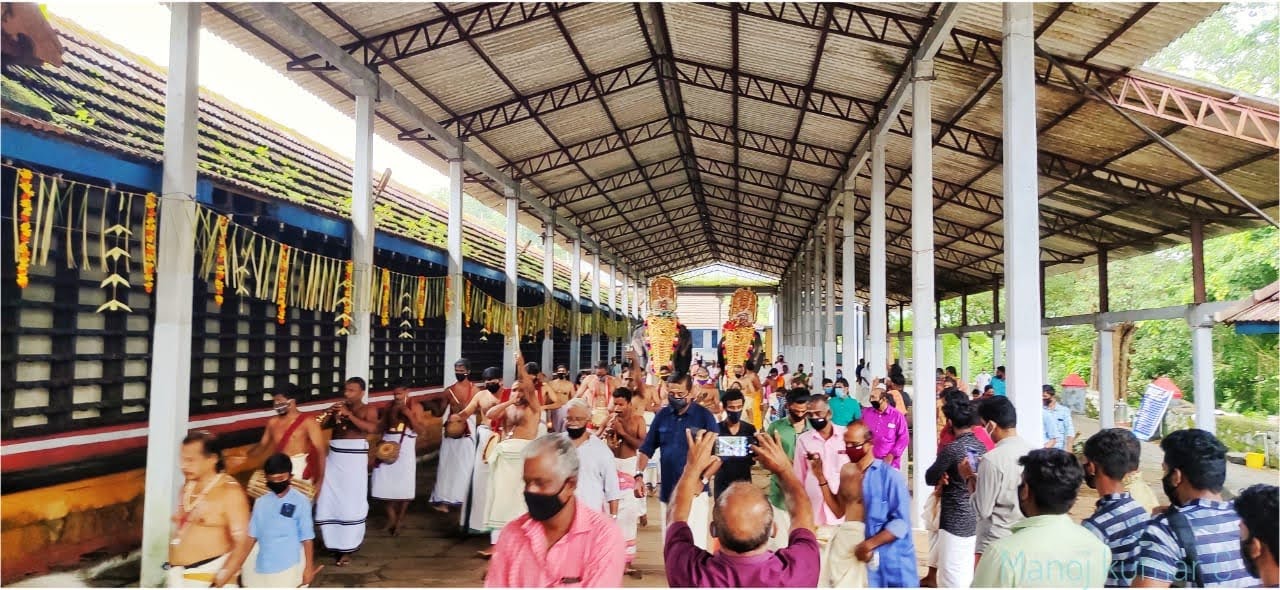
[(1119, 522), (1217, 545)]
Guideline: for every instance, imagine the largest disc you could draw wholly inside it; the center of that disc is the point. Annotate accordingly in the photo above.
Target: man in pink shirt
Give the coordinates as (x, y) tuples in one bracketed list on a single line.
[(888, 428), (560, 542), (823, 441)]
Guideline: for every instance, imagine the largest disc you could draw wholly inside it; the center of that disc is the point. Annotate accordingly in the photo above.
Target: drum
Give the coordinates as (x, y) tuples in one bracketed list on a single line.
[(387, 452), (258, 486), (455, 427)]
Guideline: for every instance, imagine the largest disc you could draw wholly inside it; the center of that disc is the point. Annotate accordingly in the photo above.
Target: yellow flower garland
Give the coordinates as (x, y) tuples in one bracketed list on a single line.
[(347, 287), (220, 267), (386, 297), (422, 300), (24, 229), (149, 240)]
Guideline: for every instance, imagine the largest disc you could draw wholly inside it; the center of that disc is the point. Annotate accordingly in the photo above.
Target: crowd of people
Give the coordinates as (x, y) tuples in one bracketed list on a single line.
[(558, 473)]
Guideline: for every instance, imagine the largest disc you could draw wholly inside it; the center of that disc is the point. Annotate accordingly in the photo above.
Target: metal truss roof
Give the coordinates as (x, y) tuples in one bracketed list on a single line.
[(681, 135)]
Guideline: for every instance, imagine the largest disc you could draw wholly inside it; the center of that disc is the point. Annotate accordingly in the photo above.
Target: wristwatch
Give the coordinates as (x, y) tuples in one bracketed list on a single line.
[(639, 474)]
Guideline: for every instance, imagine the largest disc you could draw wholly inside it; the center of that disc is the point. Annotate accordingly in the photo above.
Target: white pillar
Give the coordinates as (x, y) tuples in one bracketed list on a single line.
[(613, 304), (964, 359), (924, 437), (1202, 370), (829, 331), (575, 289), (878, 331), (815, 319), (171, 336), (548, 290), (939, 359), (902, 351), (1106, 378), (997, 348), (1044, 343), (511, 333), (597, 301), (457, 285), (362, 230), (1021, 219), (851, 335)]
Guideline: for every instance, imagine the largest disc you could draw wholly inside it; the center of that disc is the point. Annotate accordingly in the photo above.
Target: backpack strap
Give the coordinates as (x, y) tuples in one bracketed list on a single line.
[(1186, 538)]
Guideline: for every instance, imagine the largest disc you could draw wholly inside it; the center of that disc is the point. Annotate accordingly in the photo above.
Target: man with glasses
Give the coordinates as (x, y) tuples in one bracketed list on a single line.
[(667, 435)]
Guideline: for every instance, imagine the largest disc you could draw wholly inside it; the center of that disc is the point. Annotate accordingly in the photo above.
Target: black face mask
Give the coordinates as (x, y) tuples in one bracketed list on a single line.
[(1170, 490), (460, 376), (733, 417), (278, 487), (1250, 565), (1090, 479), (542, 507), (575, 433), (875, 403), (817, 423), (493, 387), (796, 417), (677, 403)]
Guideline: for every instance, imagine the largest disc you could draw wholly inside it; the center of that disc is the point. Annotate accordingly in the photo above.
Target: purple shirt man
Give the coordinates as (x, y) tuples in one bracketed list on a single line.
[(688, 566), (888, 428)]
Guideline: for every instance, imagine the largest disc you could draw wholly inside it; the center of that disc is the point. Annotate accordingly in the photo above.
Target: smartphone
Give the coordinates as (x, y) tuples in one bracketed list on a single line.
[(972, 457), (733, 446)]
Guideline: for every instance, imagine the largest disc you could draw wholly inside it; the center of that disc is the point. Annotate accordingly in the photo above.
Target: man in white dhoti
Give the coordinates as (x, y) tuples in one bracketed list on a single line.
[(519, 421), (473, 508), (624, 434), (343, 503), (457, 446), (396, 483), (281, 528)]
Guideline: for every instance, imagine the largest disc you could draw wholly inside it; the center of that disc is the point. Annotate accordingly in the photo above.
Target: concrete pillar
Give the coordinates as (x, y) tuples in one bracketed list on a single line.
[(829, 330), (457, 285), (575, 325), (1044, 343), (613, 304), (878, 330), (924, 437), (964, 359), (598, 302), (1202, 374), (511, 332), (1106, 378), (816, 337), (171, 336), (938, 357), (852, 334), (362, 230), (997, 349), (1022, 218), (548, 290)]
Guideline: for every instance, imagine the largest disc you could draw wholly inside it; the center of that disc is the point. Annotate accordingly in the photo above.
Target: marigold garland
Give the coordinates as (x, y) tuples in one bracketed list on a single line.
[(282, 284), (348, 285), (24, 229), (220, 268), (149, 239), (386, 297)]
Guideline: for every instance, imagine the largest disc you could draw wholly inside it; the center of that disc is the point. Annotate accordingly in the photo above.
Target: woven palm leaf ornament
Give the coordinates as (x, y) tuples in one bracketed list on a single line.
[(662, 327), (117, 237), (406, 310)]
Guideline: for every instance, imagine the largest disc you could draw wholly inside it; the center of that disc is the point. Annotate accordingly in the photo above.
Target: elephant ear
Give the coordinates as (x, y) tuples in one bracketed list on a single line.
[(637, 345), (683, 356), (757, 359), (720, 358)]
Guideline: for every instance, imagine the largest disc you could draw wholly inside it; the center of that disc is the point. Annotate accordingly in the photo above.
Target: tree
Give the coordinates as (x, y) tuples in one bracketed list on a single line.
[(1235, 47)]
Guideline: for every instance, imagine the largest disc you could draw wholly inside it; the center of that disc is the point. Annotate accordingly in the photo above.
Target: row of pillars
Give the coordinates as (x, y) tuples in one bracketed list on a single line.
[(175, 274), (809, 331)]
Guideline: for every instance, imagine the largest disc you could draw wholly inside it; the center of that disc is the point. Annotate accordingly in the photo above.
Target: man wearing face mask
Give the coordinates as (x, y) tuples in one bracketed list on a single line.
[(1119, 520), (293, 433), (819, 457), (559, 392), (1059, 428), (519, 424), (597, 389), (560, 542), (457, 446), (1185, 543), (597, 486), (705, 391), (667, 434), (888, 428), (1047, 549), (844, 407), (872, 547), (996, 481), (281, 527), (1257, 507), (787, 428), (958, 520), (734, 469)]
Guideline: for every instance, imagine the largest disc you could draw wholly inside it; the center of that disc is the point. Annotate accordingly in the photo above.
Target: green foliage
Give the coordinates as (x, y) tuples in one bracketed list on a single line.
[(1235, 47)]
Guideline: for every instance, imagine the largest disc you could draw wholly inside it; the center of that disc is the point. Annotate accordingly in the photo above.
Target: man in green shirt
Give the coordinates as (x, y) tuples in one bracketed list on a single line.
[(844, 407), (788, 428), (1047, 549)]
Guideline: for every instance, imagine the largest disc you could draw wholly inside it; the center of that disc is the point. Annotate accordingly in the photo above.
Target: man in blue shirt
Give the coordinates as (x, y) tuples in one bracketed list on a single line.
[(997, 382), (667, 434), (1059, 427), (1119, 520), (282, 527)]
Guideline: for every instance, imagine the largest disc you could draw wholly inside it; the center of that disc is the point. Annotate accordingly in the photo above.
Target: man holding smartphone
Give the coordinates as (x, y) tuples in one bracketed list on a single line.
[(731, 447)]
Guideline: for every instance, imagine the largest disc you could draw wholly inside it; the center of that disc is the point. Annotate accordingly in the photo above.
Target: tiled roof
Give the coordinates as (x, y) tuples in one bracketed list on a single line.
[(108, 97), (1262, 307)]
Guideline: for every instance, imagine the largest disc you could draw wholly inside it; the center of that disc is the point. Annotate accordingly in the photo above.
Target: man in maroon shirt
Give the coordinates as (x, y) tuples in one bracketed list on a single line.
[(743, 523)]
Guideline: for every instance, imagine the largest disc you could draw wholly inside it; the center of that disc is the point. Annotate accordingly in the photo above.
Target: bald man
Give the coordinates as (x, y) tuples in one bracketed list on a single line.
[(872, 499), (743, 523)]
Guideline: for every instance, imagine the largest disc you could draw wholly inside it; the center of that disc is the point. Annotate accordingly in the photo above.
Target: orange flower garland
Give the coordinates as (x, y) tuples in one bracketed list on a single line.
[(386, 297), (347, 286), (282, 284), (220, 269), (24, 229), (149, 238)]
